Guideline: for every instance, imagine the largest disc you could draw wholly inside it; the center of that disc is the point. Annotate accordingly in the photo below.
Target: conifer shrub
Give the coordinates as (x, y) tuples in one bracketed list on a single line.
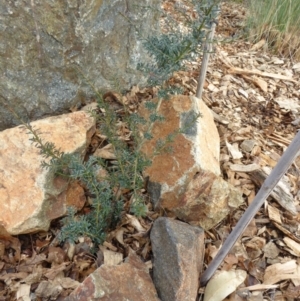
[(169, 52)]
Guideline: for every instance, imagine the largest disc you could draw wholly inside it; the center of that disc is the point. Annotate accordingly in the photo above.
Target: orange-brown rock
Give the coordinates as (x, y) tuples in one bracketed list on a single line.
[(128, 281), (207, 200), (31, 196), (197, 148)]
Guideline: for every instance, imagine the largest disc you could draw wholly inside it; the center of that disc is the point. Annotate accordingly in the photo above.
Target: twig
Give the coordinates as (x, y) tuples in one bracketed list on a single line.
[(282, 166), (236, 70)]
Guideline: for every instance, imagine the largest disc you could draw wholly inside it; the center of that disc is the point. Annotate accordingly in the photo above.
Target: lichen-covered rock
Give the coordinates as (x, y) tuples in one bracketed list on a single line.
[(196, 149), (31, 196), (47, 47)]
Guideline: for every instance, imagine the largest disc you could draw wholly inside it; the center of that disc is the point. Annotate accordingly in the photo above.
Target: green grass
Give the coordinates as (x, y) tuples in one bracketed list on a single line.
[(278, 22)]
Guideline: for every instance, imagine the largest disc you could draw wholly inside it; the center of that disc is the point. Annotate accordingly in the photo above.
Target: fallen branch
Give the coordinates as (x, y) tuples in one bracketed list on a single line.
[(260, 73)]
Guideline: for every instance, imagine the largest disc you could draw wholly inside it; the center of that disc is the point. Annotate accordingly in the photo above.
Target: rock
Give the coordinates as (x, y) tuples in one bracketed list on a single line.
[(207, 200), (31, 196), (248, 145), (127, 281), (51, 49), (194, 150), (178, 251), (75, 195)]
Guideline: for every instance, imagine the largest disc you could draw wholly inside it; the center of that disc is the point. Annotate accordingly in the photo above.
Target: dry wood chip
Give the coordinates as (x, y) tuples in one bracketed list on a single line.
[(256, 150), (219, 118), (280, 193), (258, 45), (281, 271), (212, 88), (274, 214), (246, 191), (296, 281), (277, 61), (119, 235), (256, 243), (67, 282), (251, 197), (267, 160), (244, 168), (258, 287), (276, 137), (287, 232), (23, 292), (134, 222), (234, 151), (244, 93), (260, 83), (296, 66), (290, 104), (294, 246)]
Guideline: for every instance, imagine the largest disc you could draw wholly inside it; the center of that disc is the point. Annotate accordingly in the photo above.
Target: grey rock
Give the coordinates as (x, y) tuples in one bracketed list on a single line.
[(208, 199), (50, 49), (248, 145), (178, 250)]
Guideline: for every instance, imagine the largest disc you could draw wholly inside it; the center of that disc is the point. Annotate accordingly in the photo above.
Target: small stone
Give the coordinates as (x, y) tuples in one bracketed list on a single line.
[(178, 251), (248, 145)]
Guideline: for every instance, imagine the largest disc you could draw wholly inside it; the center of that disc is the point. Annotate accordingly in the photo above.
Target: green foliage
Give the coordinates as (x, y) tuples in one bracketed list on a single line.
[(169, 52), (278, 22)]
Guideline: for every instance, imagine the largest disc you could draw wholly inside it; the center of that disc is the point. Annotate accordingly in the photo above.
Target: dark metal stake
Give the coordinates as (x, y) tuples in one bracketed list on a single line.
[(282, 166)]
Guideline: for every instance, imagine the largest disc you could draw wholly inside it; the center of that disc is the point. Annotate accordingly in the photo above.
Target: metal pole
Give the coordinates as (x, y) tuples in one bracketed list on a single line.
[(282, 166)]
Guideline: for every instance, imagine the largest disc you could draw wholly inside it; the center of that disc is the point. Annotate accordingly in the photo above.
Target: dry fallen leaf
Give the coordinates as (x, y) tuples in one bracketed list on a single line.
[(134, 222), (23, 292), (111, 257), (258, 45), (106, 152), (223, 284)]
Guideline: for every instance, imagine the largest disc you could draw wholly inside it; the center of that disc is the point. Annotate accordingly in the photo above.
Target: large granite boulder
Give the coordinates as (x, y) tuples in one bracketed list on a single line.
[(48, 47)]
